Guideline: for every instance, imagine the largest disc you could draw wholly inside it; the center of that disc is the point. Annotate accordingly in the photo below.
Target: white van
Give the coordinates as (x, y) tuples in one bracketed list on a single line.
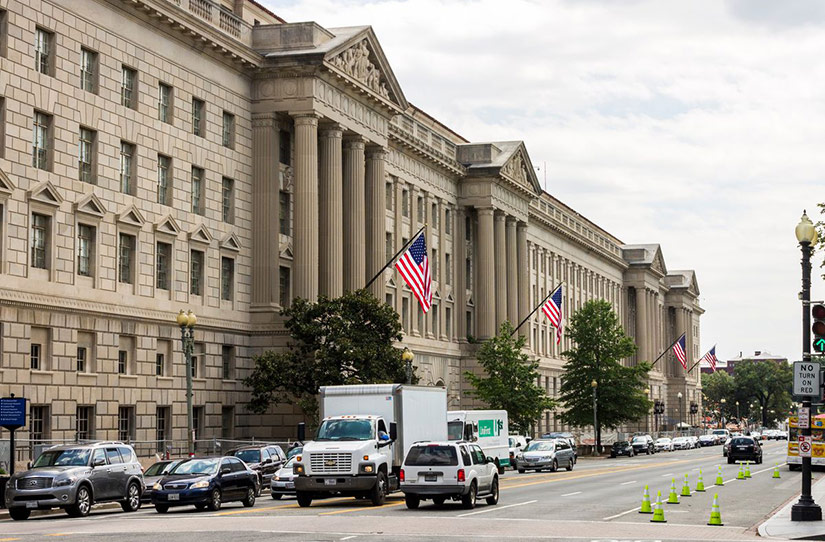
[(487, 428)]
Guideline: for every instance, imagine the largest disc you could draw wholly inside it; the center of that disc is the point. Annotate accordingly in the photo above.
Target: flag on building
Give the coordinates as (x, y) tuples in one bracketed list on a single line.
[(679, 350), (710, 358), (414, 266), (552, 308)]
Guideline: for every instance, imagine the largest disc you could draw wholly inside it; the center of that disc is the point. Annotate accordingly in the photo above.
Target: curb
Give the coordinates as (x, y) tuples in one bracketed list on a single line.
[(4, 512)]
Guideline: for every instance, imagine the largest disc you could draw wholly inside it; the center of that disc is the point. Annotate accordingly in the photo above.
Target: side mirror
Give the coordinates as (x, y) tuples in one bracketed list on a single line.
[(518, 445), (29, 465), (302, 431), (225, 470), (490, 460), (99, 462), (393, 431)]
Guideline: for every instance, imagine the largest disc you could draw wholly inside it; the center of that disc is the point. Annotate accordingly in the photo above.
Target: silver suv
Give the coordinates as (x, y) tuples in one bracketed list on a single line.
[(74, 477)]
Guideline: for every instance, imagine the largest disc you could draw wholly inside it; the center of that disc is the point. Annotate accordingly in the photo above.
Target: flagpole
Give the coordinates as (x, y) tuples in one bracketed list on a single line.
[(666, 350), (700, 361), (414, 237), (537, 307)]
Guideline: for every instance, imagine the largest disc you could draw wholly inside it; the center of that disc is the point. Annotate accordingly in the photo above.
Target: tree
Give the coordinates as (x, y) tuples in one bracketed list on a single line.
[(717, 386), (510, 380), (346, 340), (768, 383), (600, 345)]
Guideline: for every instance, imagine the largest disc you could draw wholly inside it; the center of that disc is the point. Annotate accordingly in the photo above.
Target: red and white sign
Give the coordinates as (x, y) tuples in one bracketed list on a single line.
[(805, 445)]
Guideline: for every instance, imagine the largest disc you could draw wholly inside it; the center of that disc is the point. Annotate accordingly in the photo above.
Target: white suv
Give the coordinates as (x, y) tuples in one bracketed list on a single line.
[(454, 470)]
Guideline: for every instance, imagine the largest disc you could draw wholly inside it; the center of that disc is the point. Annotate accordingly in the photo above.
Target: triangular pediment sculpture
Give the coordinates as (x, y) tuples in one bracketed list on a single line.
[(90, 205), (231, 242), (6, 186), (168, 226), (201, 235), (658, 263), (45, 193), (519, 169), (286, 252), (132, 217)]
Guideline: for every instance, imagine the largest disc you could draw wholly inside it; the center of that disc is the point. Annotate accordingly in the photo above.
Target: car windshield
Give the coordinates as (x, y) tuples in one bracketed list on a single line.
[(161, 467), (288, 464), (720, 432), (248, 456), (663, 441), (197, 466), (638, 439), (345, 430), (295, 451), (432, 455), (538, 446), (622, 443), (63, 458), (741, 441)]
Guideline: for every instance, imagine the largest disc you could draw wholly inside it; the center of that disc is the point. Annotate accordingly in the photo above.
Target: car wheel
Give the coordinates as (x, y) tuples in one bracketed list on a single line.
[(19, 514), (412, 501), (570, 465), (555, 466), (214, 503), (132, 502), (468, 501), (521, 471), (304, 499), (379, 491), (249, 501), (162, 508), (493, 498), (259, 487), (730, 460), (276, 496), (82, 504), (439, 501)]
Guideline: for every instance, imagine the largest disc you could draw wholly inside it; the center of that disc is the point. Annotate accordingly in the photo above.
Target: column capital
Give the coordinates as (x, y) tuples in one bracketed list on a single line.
[(500, 216), (511, 222), (376, 152), (263, 120), (331, 130), (354, 141), (485, 210), (305, 118)]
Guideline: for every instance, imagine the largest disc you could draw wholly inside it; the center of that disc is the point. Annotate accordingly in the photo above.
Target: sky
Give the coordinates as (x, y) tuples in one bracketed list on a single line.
[(697, 125)]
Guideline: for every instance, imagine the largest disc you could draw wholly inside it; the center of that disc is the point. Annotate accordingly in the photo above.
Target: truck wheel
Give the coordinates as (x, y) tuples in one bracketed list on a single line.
[(521, 471), (468, 501), (412, 501), (19, 514), (493, 498), (304, 499), (439, 501), (379, 490)]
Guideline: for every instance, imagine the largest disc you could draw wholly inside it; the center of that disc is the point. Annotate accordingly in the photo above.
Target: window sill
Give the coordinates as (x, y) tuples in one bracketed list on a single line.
[(128, 376), (164, 378), (229, 380), (42, 372), (203, 380)]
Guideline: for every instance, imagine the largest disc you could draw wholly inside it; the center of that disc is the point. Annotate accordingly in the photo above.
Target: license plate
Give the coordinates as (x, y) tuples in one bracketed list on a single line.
[(741, 447), (31, 504), (290, 485), (330, 481), (430, 477), (174, 497)]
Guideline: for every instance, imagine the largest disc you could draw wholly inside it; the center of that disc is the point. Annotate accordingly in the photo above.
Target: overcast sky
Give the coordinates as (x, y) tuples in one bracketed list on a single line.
[(698, 125)]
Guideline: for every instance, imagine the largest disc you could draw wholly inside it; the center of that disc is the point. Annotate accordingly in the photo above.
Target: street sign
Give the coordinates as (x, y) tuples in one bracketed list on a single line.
[(12, 413), (806, 378), (805, 445), (804, 421)]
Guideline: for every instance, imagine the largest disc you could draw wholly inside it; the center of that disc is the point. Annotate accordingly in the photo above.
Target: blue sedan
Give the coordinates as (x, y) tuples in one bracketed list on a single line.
[(206, 483)]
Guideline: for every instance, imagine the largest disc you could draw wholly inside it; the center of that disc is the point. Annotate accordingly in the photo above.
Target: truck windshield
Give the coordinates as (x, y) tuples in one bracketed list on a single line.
[(455, 430), (345, 430)]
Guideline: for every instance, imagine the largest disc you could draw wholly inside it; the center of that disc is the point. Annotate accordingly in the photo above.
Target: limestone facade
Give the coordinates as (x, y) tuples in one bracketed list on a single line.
[(159, 155)]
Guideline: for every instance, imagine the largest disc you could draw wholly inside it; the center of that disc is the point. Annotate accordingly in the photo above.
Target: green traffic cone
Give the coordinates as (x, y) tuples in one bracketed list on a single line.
[(658, 513), (673, 498), (715, 515), (646, 509), (747, 469), (686, 487), (776, 471), (719, 480), (700, 485), (741, 474)]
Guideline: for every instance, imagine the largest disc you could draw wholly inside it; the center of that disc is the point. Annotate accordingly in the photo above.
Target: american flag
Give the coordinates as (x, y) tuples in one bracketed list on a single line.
[(679, 350), (414, 266), (552, 308), (710, 358)]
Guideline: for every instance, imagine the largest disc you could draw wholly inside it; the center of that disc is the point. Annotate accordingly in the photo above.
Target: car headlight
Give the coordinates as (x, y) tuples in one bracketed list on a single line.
[(297, 469), (157, 486), (200, 485), (277, 478), (64, 482)]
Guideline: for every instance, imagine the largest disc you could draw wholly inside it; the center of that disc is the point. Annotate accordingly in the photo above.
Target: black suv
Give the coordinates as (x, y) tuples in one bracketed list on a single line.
[(643, 444), (744, 449), (264, 460)]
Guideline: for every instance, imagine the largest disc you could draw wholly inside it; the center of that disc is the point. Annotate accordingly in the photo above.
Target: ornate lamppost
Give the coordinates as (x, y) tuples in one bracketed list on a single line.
[(187, 321), (722, 412), (407, 356), (681, 407), (595, 385)]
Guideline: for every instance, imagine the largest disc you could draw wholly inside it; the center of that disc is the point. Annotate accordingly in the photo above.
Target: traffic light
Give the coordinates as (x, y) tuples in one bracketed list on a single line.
[(818, 327)]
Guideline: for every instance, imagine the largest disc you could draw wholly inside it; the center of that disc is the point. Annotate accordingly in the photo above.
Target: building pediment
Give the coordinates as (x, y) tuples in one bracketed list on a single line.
[(167, 226), (6, 186), (507, 160), (45, 193), (231, 242), (519, 169), (201, 235), (91, 205), (132, 217)]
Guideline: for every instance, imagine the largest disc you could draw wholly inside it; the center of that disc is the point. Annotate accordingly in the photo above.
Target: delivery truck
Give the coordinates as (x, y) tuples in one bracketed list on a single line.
[(487, 428), (364, 434)]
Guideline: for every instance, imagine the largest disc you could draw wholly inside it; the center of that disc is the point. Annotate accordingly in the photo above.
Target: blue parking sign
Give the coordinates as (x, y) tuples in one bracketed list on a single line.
[(12, 413)]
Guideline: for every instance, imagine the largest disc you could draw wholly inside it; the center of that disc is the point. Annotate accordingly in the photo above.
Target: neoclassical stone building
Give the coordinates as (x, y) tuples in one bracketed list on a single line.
[(158, 155)]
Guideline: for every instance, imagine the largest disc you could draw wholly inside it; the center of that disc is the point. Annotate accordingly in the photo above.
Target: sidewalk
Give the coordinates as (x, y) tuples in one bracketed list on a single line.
[(780, 525)]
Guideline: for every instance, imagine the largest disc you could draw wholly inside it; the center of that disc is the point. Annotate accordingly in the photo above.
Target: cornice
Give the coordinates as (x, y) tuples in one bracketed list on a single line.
[(435, 157)]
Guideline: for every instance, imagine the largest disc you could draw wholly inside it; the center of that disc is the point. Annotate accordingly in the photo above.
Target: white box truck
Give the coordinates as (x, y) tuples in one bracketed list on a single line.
[(487, 428), (365, 432)]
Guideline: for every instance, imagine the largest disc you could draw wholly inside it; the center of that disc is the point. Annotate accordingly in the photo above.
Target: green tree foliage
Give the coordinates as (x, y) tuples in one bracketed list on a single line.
[(510, 380), (600, 346), (767, 383), (346, 340), (717, 386)]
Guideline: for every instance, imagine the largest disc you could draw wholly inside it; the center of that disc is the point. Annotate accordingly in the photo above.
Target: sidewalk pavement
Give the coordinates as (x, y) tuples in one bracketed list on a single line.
[(780, 525)]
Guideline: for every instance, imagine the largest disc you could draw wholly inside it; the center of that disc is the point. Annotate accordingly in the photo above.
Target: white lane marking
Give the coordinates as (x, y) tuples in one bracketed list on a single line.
[(571, 494), (608, 518), (348, 537), (493, 509), (669, 474), (628, 483)]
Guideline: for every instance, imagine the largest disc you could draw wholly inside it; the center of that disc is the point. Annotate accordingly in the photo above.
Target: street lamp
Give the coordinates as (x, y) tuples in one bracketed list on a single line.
[(594, 385), (408, 357), (647, 419), (738, 419), (681, 409), (187, 321), (806, 509), (721, 411)]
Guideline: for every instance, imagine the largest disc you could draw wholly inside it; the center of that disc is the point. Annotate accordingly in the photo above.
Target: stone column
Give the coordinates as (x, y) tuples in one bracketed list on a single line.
[(524, 307), (376, 199), (485, 281), (501, 270), (330, 197), (265, 212), (460, 284), (398, 224), (354, 218), (641, 324), (512, 273), (305, 243)]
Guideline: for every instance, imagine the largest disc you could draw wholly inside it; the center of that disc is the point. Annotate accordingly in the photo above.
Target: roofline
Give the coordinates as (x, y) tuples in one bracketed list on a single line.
[(418, 110), (266, 10), (558, 202)]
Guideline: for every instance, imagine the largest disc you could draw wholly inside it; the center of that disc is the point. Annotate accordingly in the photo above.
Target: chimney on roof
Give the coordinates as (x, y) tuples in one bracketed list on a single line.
[(740, 353), (757, 352)]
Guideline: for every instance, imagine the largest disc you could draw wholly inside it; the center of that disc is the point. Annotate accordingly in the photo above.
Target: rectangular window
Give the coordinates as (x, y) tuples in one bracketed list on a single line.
[(448, 321), (36, 352), (284, 284), (128, 88), (227, 422), (434, 263), (448, 268), (285, 148), (162, 426), (164, 103), (389, 193), (227, 278), (43, 62), (38, 424), (82, 359), (85, 249), (197, 421), (160, 363), (85, 155), (126, 424), (122, 361), (420, 205), (405, 203), (127, 153), (40, 140), (388, 248), (197, 356), (468, 273), (126, 252), (197, 190), (228, 361), (405, 313), (164, 184), (434, 215), (40, 241), (228, 200), (84, 427), (435, 321), (285, 210), (196, 272), (468, 229), (448, 223), (164, 258), (228, 132), (88, 70), (198, 117), (468, 321)]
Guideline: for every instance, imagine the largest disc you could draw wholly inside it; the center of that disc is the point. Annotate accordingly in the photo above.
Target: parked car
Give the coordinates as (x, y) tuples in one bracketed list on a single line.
[(154, 473), (663, 444), (517, 444), (76, 476), (721, 435), (707, 440), (745, 449), (681, 443), (622, 447), (448, 470), (550, 454), (756, 435), (264, 460), (694, 441), (643, 444), (206, 482), (726, 447), (283, 483)]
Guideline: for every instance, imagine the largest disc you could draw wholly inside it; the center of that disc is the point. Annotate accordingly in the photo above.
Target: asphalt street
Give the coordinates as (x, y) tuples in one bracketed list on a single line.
[(598, 500)]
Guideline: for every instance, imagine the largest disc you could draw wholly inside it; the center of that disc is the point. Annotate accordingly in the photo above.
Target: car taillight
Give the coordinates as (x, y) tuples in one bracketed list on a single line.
[(461, 477), (401, 475)]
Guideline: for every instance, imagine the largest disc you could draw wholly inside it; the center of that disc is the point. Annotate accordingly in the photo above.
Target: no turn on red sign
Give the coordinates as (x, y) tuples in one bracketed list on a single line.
[(806, 378), (805, 446)]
